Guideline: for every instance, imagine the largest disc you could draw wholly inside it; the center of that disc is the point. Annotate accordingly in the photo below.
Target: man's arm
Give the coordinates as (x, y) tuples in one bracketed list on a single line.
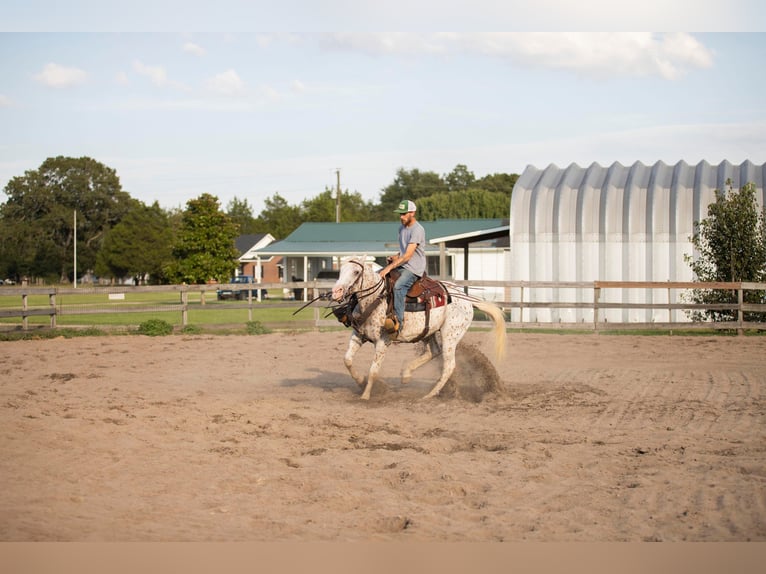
[(400, 259)]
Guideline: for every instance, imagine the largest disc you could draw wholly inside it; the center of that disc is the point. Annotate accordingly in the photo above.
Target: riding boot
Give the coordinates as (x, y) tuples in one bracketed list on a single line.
[(392, 326)]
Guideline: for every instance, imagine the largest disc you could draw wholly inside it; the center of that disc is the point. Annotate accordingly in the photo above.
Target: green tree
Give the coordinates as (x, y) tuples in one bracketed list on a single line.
[(278, 217), (731, 246), (323, 207), (408, 184), (460, 179), (468, 204), (498, 182), (240, 212), (139, 246), (204, 247), (37, 235)]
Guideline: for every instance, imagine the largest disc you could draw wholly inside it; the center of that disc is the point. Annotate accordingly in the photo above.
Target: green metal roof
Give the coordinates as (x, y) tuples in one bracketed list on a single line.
[(372, 238)]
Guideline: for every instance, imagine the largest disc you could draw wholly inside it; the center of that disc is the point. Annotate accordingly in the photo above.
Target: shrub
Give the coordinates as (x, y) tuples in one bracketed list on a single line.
[(256, 328), (155, 327)]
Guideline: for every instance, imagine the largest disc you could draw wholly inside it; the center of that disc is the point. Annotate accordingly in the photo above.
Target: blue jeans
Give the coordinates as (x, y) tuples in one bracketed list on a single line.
[(402, 285)]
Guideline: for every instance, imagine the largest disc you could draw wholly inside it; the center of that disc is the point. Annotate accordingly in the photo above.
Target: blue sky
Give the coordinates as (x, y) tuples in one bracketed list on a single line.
[(249, 114)]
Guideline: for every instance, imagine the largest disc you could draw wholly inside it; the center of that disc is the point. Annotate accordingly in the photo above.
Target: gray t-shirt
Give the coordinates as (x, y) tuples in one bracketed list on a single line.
[(414, 234)]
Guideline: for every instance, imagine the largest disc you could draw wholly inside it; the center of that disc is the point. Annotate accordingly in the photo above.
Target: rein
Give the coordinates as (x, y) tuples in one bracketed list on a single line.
[(363, 292)]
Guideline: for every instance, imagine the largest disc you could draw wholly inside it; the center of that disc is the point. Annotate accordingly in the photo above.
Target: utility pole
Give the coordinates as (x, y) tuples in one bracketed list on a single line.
[(337, 196), (75, 249)]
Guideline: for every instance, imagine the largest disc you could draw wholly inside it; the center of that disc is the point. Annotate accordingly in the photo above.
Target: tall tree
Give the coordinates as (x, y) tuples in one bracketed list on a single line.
[(323, 207), (39, 216), (731, 246), (139, 246), (408, 184), (240, 212), (498, 182), (460, 179), (468, 204), (204, 248), (278, 217)]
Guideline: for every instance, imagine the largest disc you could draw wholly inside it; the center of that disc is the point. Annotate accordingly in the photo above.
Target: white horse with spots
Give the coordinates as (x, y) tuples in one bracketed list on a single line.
[(447, 324)]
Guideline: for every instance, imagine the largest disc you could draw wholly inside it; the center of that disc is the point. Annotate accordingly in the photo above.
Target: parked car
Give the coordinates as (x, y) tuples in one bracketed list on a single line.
[(240, 293)]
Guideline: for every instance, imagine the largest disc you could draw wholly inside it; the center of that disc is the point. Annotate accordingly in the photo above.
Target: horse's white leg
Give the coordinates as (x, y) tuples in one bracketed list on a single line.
[(430, 350), (448, 366), (377, 362), (455, 326), (353, 346)]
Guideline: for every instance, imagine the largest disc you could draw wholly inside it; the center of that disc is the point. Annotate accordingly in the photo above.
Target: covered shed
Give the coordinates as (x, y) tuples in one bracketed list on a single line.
[(616, 223)]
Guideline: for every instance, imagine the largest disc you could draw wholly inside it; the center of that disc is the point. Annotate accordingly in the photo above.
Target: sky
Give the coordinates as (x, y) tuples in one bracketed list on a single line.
[(236, 110)]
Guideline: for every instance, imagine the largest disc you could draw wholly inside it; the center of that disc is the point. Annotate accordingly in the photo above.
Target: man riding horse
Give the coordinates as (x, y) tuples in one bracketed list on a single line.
[(410, 262)]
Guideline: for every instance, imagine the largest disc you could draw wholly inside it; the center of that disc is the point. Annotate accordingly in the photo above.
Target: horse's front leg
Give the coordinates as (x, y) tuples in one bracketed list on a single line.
[(377, 362), (353, 346)]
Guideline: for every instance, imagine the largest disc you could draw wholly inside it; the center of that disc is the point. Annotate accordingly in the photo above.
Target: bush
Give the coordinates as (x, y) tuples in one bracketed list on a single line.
[(192, 330), (256, 328), (155, 328)]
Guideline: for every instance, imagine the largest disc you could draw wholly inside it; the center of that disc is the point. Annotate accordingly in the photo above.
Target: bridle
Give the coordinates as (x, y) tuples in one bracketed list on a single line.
[(363, 292)]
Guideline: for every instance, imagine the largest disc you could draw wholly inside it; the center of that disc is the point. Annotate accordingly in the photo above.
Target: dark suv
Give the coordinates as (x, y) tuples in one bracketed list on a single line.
[(237, 292)]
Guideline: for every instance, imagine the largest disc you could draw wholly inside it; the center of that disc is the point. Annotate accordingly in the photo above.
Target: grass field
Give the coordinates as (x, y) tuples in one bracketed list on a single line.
[(96, 309)]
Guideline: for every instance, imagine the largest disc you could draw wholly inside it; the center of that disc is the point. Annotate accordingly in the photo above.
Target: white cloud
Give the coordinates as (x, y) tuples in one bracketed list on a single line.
[(56, 76), (121, 78), (156, 74), (598, 53), (227, 83), (192, 48), (298, 86), (5, 101)]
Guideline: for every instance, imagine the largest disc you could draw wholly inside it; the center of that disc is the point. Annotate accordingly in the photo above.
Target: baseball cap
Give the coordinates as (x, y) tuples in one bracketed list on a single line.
[(405, 206)]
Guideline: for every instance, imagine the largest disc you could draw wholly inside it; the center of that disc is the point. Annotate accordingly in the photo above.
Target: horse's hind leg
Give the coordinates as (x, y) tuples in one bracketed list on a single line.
[(448, 366), (431, 348)]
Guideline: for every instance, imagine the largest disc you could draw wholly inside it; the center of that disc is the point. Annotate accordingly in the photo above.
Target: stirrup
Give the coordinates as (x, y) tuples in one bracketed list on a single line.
[(391, 325)]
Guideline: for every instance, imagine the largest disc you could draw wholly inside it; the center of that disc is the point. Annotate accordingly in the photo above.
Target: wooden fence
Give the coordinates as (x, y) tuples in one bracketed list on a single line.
[(519, 300)]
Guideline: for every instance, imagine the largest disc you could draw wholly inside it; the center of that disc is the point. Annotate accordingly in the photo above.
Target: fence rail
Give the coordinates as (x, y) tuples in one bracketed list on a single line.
[(517, 304)]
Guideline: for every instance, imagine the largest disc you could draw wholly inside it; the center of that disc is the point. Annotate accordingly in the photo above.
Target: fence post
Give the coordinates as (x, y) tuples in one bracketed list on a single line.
[(52, 302), (740, 313), (24, 308), (521, 306), (184, 307), (596, 297)]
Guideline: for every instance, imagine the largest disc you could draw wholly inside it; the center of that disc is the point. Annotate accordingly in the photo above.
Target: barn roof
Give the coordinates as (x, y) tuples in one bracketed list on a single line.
[(373, 238), (617, 222)]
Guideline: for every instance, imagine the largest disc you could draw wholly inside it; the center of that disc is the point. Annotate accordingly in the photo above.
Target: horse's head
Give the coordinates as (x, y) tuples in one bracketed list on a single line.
[(349, 278)]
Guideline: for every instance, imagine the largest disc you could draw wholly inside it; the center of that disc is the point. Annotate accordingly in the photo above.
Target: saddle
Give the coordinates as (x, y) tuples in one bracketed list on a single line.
[(425, 294)]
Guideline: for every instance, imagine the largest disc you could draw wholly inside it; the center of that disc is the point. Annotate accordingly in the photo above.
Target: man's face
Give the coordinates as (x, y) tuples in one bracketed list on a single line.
[(406, 218)]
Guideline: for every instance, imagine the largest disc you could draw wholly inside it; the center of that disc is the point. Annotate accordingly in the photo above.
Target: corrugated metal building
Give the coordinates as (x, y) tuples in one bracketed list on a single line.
[(613, 223)]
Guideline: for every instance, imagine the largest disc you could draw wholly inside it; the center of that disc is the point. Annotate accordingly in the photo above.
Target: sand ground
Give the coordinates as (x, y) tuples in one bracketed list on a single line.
[(264, 438)]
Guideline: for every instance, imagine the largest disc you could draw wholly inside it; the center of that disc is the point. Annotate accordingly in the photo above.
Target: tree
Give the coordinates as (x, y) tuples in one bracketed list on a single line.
[(323, 207), (278, 217), (37, 233), (460, 179), (731, 246), (498, 182), (139, 246), (204, 248), (240, 212), (413, 184), (468, 204)]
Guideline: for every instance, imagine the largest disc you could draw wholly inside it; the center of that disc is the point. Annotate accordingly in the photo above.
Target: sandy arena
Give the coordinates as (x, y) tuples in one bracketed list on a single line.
[(263, 438)]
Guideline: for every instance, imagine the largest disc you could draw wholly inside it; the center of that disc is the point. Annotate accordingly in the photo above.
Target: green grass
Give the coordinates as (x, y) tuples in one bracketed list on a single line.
[(213, 312)]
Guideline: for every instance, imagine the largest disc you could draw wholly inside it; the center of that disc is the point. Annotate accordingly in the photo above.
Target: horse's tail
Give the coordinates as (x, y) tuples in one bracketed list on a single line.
[(496, 314)]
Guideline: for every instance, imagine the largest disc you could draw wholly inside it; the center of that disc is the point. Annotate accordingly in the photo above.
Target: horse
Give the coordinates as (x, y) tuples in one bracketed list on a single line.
[(362, 291)]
